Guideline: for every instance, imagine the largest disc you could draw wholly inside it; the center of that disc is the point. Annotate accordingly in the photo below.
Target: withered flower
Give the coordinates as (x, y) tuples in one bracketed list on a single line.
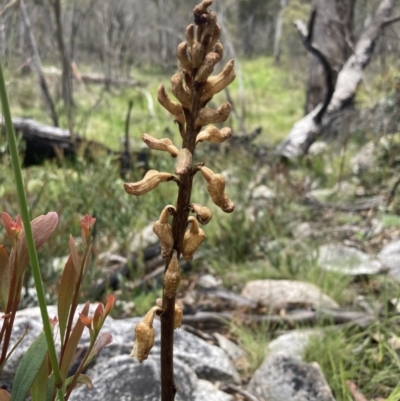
[(172, 277), (164, 231), (193, 238), (150, 181), (214, 135), (164, 144), (203, 213)]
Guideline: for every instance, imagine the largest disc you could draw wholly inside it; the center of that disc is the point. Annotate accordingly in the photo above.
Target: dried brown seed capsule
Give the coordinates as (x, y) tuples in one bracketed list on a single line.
[(216, 188), (160, 144), (173, 107), (192, 239), (201, 8), (214, 38), (172, 277), (198, 51), (190, 35), (203, 213), (183, 56), (150, 181), (178, 314), (208, 66), (214, 135), (163, 230), (178, 317), (217, 83), (144, 336), (181, 91), (209, 29), (210, 116), (183, 161)]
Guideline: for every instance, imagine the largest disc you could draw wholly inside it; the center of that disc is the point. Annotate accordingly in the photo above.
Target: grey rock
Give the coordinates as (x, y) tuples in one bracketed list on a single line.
[(287, 378), (208, 281), (277, 293), (116, 375), (293, 343), (206, 391), (263, 192), (232, 350), (390, 257), (346, 260), (122, 378)]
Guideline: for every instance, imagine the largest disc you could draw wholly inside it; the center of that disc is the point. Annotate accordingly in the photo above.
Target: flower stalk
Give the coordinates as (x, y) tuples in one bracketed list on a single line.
[(193, 87)]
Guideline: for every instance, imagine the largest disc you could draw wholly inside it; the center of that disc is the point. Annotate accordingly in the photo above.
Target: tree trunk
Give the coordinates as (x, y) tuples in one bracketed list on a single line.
[(333, 35), (37, 64), (65, 59)]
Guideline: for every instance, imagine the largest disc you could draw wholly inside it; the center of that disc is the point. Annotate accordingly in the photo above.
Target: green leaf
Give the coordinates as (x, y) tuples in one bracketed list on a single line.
[(50, 388), (65, 294), (39, 386), (29, 368), (4, 395), (73, 342)]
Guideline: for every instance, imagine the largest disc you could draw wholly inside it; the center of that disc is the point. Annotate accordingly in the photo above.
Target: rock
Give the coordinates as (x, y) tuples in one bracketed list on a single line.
[(116, 375), (232, 350), (262, 192), (143, 239), (287, 378), (390, 257), (278, 293), (346, 260), (208, 281), (293, 343), (303, 230)]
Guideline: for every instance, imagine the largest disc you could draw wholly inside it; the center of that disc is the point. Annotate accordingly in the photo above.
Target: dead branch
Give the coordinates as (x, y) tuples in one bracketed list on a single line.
[(232, 389), (306, 130), (12, 3)]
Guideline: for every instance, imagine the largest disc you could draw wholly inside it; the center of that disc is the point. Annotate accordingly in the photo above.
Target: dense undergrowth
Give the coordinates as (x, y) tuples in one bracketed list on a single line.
[(260, 240)]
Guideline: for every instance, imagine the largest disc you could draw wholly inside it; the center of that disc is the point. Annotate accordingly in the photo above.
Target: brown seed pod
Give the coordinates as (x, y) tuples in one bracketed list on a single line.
[(150, 181), (217, 83), (210, 116), (173, 107), (197, 54), (192, 239), (177, 315), (207, 68), (183, 161), (163, 230), (181, 91), (172, 277), (144, 336), (216, 188), (183, 57), (203, 213), (190, 30), (201, 8), (214, 135), (160, 144), (209, 29), (214, 38)]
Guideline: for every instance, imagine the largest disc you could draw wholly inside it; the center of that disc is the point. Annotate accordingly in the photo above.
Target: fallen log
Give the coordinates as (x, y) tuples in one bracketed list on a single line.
[(306, 130)]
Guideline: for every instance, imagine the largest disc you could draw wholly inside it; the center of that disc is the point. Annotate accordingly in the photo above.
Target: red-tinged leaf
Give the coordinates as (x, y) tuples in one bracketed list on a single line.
[(97, 317), (5, 277), (4, 395), (65, 295), (73, 342), (87, 321), (75, 257), (103, 340), (109, 304), (82, 379), (7, 220), (40, 384), (42, 227)]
